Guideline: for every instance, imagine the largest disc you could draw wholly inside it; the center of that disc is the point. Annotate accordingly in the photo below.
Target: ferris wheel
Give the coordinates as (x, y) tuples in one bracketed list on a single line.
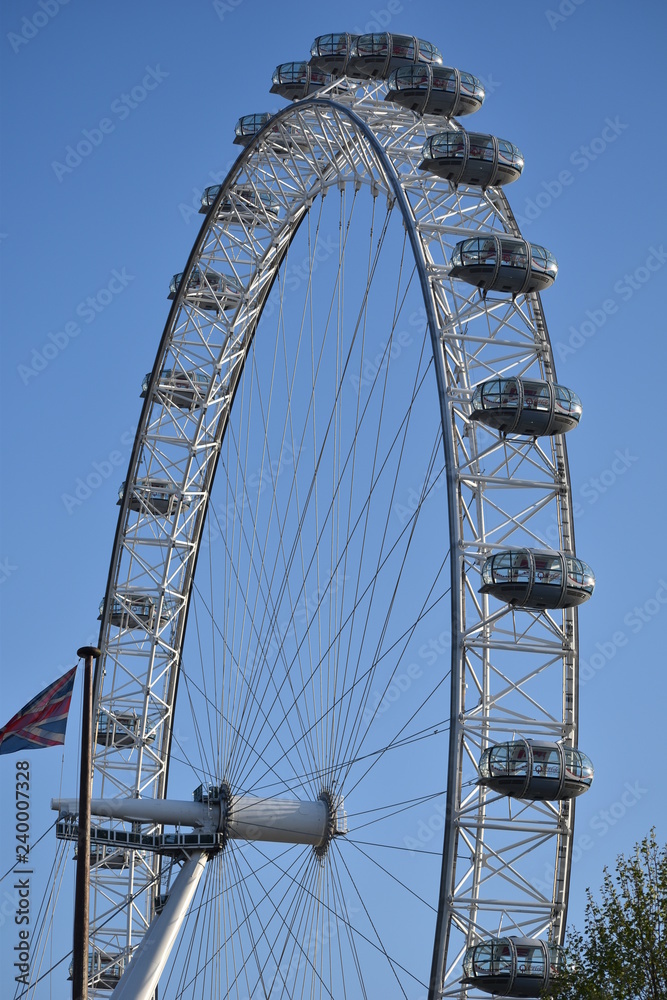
[(354, 773)]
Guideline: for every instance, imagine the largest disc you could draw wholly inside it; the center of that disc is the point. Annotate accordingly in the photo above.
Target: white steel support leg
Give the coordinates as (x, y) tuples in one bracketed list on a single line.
[(139, 980)]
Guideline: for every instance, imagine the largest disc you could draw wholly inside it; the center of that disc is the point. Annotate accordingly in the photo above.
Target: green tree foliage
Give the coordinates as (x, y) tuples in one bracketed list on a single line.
[(622, 954)]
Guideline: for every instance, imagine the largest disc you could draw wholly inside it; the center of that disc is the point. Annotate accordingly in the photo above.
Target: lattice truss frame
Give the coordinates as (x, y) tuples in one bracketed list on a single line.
[(513, 672)]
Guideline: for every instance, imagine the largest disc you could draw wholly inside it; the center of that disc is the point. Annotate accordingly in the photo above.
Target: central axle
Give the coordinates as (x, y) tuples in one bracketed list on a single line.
[(237, 817)]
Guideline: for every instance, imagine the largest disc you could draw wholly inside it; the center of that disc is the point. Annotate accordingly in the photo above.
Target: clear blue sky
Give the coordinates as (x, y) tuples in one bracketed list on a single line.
[(89, 247)]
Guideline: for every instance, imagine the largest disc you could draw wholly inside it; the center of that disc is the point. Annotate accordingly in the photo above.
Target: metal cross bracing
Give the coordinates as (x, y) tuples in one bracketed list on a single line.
[(513, 672)]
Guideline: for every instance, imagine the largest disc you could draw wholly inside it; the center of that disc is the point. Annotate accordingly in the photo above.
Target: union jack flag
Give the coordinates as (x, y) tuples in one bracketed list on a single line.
[(43, 721)]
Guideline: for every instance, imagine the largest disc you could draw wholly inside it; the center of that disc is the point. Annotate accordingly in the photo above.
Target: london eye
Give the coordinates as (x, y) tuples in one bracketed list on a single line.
[(336, 712)]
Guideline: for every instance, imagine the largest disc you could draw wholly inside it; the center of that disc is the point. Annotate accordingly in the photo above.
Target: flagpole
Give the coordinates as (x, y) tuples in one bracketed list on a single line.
[(80, 949)]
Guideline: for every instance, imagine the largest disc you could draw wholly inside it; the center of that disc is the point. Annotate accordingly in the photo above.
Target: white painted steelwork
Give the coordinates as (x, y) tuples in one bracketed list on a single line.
[(141, 977), (512, 672)]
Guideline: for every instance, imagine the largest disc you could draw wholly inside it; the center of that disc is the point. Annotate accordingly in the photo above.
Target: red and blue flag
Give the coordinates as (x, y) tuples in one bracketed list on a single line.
[(43, 721)]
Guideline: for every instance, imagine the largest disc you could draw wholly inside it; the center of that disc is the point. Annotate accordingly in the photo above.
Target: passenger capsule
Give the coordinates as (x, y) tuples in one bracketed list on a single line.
[(243, 205), (295, 80), (513, 966), (135, 610), (472, 158), (104, 970), (283, 137), (117, 730), (526, 578), (331, 53), (153, 496), (536, 770), (504, 264), (526, 406), (375, 56), (184, 389), (435, 90), (107, 857), (248, 126), (208, 289)]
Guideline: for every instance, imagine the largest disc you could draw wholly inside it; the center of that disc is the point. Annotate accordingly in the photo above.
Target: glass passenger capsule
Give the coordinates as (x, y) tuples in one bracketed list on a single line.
[(248, 126), (184, 389), (526, 406), (104, 971), (526, 578), (135, 610), (283, 137), (208, 289), (242, 204), (117, 730), (331, 53), (375, 56), (435, 90), (153, 496), (504, 264), (513, 966), (107, 857), (536, 770), (295, 80), (472, 158)]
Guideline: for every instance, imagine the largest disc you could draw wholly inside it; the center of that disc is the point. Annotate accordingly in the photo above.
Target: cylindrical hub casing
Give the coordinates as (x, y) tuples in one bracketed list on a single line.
[(282, 821)]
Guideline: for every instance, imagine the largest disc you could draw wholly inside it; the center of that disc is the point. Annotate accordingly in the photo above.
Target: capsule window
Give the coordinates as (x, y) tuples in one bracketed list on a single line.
[(548, 569), (578, 765), (543, 260), (403, 46), (331, 45), (412, 78), (249, 125), (565, 399), (429, 52), (481, 147), (372, 45), (530, 961), (445, 80), (514, 254), (509, 154), (536, 396), (471, 86), (293, 73)]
